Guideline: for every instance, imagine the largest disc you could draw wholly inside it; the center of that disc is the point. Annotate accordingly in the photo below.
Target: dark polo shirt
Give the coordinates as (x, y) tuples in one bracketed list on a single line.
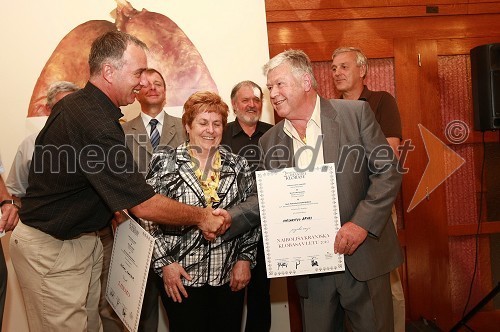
[(81, 170), (241, 144), (386, 111)]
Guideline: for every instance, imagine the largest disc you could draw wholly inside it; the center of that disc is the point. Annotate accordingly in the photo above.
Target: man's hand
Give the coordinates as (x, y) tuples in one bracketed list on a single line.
[(172, 281), (349, 238), (240, 275), (10, 217), (210, 224), (118, 218), (227, 219)]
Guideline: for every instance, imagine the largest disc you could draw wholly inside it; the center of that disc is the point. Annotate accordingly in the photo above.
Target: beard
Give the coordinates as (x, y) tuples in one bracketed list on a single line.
[(248, 118)]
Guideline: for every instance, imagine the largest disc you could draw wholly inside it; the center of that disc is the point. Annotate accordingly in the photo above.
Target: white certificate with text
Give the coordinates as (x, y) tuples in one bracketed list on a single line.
[(300, 218), (128, 271)]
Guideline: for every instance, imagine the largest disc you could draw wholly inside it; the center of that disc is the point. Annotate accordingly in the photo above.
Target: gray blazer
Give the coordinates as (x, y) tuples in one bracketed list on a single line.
[(137, 139), (365, 194)]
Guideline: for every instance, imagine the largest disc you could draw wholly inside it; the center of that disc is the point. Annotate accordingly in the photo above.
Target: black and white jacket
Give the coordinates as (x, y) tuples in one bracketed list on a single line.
[(171, 174)]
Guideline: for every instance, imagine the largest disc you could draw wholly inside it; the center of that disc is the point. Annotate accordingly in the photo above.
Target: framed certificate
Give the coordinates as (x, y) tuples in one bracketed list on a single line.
[(300, 219), (128, 271)]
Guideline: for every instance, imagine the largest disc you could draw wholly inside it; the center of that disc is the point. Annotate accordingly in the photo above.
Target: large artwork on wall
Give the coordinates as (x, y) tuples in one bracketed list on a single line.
[(170, 51), (196, 44)]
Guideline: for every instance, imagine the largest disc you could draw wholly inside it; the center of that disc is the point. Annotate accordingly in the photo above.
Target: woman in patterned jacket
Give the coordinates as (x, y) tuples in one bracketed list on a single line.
[(204, 281)]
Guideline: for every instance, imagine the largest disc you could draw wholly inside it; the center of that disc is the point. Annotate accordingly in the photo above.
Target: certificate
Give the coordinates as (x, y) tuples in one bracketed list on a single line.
[(128, 271), (300, 219)]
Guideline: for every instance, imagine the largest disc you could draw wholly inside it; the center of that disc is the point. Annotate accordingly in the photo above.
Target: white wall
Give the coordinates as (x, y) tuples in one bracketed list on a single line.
[(231, 36)]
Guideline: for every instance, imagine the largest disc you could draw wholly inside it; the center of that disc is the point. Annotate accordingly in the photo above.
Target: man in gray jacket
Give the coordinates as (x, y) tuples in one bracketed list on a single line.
[(366, 185)]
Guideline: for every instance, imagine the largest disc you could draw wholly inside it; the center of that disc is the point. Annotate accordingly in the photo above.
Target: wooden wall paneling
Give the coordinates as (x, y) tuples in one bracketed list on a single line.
[(435, 27), (375, 36), (435, 212), (381, 12), (425, 225), (294, 310), (490, 227), (411, 10), (485, 321), (488, 318), (462, 191), (397, 28), (359, 13), (404, 57), (455, 46), (272, 5), (379, 48)]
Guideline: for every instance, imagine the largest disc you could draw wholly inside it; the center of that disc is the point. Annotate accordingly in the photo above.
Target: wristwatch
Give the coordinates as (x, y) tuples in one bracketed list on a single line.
[(10, 201)]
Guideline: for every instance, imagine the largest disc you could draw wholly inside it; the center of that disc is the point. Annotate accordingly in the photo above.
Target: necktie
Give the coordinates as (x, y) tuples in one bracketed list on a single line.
[(154, 133)]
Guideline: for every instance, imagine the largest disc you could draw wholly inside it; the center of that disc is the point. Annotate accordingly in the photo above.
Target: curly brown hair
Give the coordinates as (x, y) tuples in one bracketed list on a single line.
[(204, 101)]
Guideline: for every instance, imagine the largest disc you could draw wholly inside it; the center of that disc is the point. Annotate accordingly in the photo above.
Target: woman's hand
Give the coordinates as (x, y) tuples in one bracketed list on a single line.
[(172, 281), (240, 275)]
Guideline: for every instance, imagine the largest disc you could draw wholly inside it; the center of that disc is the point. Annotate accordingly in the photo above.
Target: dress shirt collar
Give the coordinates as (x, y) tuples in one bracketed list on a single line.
[(146, 118), (315, 119)]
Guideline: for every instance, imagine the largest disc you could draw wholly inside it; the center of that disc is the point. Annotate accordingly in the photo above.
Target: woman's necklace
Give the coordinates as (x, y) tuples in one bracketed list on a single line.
[(209, 179)]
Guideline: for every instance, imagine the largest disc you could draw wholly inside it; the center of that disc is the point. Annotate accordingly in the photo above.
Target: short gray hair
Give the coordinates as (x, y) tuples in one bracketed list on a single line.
[(238, 86), (58, 87), (361, 59), (110, 47), (298, 60)]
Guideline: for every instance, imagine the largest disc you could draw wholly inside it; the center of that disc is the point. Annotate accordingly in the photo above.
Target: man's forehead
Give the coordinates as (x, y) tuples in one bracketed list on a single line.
[(349, 55), (247, 89), (154, 76), (256, 92), (277, 73)]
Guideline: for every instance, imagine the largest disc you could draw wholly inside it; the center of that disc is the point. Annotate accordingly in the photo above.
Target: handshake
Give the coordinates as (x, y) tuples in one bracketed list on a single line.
[(212, 223), (216, 224)]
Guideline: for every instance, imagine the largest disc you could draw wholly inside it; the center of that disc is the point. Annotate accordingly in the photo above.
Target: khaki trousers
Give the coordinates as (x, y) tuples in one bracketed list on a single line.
[(110, 320), (398, 296), (59, 279)]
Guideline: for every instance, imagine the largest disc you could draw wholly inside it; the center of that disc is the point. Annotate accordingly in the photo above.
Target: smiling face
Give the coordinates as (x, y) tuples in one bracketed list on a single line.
[(128, 80), (153, 94), (247, 105), (205, 131), (287, 91), (347, 75)]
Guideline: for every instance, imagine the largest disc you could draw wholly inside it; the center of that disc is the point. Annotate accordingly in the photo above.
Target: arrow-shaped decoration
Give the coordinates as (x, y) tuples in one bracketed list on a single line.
[(443, 162)]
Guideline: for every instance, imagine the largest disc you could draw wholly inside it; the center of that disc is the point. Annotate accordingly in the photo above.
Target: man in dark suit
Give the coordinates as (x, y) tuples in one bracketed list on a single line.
[(345, 133), (140, 137)]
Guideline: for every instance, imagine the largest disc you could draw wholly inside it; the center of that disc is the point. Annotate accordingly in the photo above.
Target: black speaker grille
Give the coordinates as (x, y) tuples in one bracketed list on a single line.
[(485, 74)]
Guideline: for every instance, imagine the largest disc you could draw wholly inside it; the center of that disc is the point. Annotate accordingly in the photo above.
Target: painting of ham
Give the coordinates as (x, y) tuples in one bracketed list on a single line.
[(170, 51)]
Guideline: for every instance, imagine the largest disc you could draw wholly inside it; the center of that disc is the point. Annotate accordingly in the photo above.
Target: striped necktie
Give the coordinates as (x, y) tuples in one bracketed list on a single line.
[(154, 133)]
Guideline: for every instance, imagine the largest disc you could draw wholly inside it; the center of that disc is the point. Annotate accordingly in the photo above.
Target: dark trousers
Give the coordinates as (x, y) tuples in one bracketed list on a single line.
[(207, 309), (332, 296), (3, 283), (149, 313), (258, 298)]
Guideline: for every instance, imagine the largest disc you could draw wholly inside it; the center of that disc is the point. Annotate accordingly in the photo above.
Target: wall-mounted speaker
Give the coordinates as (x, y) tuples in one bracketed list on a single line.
[(485, 70)]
